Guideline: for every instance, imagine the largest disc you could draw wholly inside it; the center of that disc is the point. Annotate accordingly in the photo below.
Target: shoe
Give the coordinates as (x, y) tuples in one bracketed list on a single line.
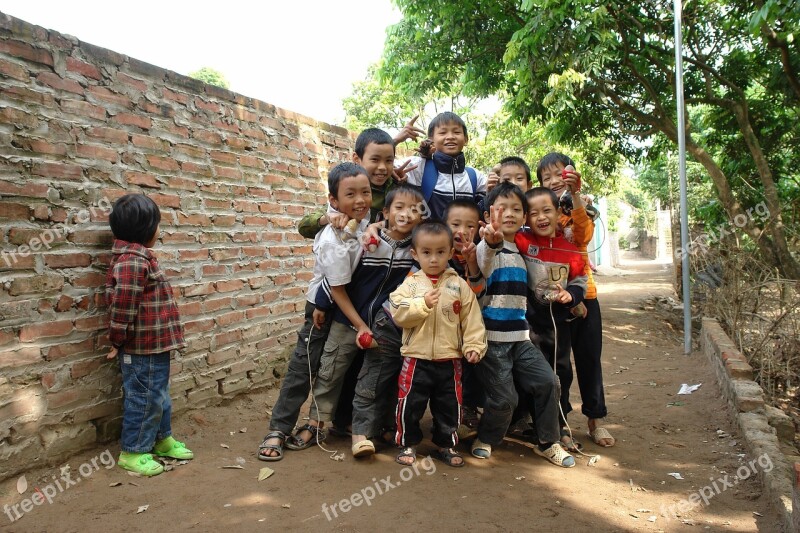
[(363, 448), (465, 432), (481, 450), (170, 447), (601, 434), (556, 455), (141, 463)]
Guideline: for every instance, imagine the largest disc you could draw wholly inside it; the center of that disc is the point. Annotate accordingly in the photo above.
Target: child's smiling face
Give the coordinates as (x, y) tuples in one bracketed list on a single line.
[(516, 175), (552, 179), (542, 215), (449, 138), (513, 216), (404, 214), (354, 197), (465, 221), (378, 161)]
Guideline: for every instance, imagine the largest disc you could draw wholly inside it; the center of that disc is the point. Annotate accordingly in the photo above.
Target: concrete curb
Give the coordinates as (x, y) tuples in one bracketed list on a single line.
[(760, 424)]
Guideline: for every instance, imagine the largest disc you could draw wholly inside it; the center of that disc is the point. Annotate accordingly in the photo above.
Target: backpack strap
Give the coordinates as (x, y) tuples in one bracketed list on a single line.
[(430, 176)]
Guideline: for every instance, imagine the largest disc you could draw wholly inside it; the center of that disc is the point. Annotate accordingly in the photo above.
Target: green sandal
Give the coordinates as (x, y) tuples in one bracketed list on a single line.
[(170, 447), (141, 463)]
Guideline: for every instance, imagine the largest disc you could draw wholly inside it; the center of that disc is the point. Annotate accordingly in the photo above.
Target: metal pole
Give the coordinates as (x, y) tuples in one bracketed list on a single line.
[(687, 304)]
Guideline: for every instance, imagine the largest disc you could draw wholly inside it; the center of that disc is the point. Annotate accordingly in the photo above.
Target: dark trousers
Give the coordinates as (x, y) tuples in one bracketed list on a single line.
[(146, 406), (587, 347), (297, 383), (376, 390), (420, 381), (474, 395), (509, 367), (545, 339)]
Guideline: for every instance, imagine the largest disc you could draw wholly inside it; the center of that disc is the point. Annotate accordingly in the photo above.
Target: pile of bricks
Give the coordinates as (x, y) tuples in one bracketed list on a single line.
[(79, 127)]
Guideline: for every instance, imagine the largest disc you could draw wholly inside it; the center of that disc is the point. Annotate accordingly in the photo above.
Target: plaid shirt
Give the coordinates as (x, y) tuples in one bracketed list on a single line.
[(144, 317)]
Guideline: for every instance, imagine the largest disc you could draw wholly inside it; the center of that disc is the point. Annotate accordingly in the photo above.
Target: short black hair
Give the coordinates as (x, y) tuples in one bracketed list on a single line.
[(542, 191), (134, 218), (340, 172), (514, 161), (431, 227), (372, 136), (403, 188), (506, 189), (551, 159), (448, 117), (465, 204)]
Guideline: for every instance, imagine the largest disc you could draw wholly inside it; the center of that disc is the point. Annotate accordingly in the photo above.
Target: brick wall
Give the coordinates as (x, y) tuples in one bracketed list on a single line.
[(81, 126)]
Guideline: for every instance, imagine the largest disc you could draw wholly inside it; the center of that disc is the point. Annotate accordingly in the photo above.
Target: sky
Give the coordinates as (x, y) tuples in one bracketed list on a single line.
[(302, 55)]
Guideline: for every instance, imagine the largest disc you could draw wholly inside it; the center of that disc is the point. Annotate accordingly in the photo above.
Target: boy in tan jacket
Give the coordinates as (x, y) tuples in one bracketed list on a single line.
[(441, 323)]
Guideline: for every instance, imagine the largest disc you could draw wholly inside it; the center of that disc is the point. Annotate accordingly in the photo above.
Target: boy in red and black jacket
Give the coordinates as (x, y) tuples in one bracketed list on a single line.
[(144, 327), (556, 284)]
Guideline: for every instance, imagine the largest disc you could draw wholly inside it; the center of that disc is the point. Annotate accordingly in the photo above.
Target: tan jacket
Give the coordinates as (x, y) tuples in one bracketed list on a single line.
[(448, 331)]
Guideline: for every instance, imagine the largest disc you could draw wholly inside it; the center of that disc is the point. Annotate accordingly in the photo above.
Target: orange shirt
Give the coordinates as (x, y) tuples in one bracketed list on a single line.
[(581, 228)]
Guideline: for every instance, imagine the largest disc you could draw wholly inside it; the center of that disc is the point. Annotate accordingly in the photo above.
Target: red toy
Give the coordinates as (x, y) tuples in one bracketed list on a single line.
[(364, 340), (568, 169), (372, 244)]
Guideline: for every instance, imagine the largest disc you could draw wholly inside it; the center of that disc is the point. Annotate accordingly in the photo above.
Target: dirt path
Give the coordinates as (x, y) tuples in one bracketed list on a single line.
[(657, 431)]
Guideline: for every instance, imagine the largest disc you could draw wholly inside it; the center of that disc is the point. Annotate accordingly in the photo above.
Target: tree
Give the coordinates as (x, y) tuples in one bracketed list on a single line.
[(211, 77), (606, 70)]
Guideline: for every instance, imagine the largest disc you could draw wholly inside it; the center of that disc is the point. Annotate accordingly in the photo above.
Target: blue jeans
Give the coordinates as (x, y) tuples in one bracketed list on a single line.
[(147, 407)]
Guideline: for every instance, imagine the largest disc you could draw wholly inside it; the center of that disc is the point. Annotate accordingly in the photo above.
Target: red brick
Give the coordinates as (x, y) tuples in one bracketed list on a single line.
[(229, 285), (137, 84), (134, 120), (146, 141), (19, 118), (198, 290), (55, 81), (163, 163), (216, 304), (190, 151), (36, 284), (179, 237), (227, 172), (83, 109), (26, 51), (14, 211), (190, 309), (198, 326), (257, 312), (206, 136), (95, 237), (141, 179), (223, 254), (229, 318), (214, 270), (182, 98), (256, 221), (24, 356), (71, 396), (58, 170), (86, 367), (70, 260), (193, 255), (14, 261), (247, 300), (108, 96), (91, 151), (91, 279), (64, 303), (33, 190), (66, 350), (220, 356), (43, 330), (166, 200), (12, 70), (109, 134), (196, 219), (228, 337), (6, 336), (90, 71), (224, 220)]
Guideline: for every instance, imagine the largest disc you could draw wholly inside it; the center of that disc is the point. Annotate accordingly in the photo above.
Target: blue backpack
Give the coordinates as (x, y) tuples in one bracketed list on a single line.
[(430, 176)]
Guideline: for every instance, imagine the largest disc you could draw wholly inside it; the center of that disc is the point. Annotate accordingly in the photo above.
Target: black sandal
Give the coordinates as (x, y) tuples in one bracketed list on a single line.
[(571, 445), (272, 447), (408, 451), (447, 456), (293, 442)]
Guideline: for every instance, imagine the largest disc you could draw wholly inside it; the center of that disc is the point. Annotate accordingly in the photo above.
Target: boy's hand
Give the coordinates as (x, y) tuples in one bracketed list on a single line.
[(112, 353), (371, 234), (468, 249), (318, 317), (563, 297), (472, 357), (579, 311), (400, 173), (491, 232), (572, 180), (432, 298), (337, 220), (493, 178), (409, 131), (364, 329)]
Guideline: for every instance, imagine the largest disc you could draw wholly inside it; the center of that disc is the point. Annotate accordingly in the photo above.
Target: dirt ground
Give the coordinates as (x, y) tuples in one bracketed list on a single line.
[(628, 489)]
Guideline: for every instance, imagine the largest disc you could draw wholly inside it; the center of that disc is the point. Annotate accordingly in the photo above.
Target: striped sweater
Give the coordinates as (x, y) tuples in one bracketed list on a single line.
[(505, 302)]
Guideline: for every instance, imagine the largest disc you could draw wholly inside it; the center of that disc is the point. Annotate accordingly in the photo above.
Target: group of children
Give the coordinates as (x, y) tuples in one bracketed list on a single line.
[(433, 284)]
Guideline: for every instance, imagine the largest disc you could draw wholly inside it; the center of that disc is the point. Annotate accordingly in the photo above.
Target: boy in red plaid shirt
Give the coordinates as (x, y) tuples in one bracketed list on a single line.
[(144, 327)]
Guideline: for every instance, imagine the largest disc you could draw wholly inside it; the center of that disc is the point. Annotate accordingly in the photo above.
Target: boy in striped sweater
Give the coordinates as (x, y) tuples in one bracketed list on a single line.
[(511, 359)]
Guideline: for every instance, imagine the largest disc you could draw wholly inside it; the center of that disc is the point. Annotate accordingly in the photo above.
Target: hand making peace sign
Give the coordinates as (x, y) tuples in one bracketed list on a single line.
[(492, 233)]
